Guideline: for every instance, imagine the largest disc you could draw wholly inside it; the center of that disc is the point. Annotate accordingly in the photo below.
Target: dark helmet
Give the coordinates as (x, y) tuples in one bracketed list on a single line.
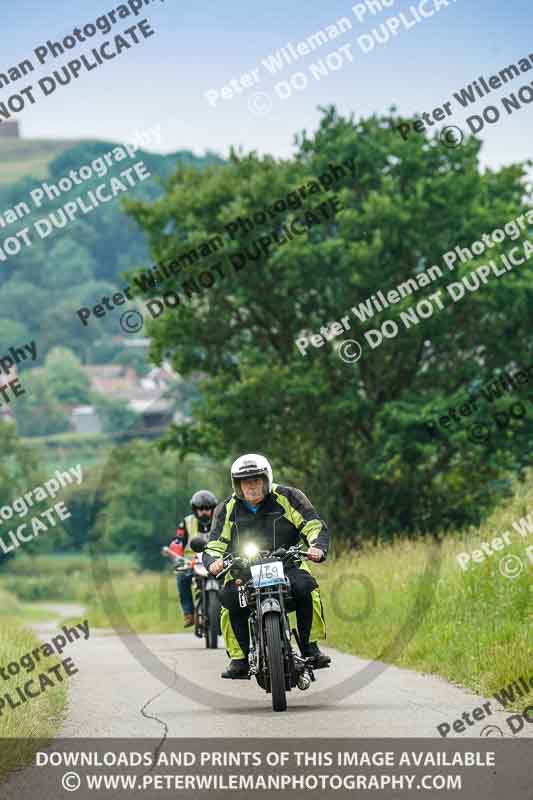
[(203, 499)]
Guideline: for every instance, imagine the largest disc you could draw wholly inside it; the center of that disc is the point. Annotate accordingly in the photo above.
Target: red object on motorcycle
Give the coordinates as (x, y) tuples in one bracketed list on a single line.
[(176, 549)]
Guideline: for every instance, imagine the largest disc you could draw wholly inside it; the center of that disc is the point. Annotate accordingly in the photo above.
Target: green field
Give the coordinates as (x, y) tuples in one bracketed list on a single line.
[(66, 449), (58, 578), (22, 157)]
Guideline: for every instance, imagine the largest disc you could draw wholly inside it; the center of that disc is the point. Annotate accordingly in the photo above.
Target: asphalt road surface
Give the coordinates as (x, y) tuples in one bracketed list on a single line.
[(114, 694)]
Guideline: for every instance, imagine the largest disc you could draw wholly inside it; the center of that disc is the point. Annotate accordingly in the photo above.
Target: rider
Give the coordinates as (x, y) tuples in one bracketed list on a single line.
[(198, 523), (270, 515)]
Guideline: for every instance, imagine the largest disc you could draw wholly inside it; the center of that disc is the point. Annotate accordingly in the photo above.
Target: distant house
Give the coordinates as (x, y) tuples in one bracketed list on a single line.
[(143, 395), (85, 420)]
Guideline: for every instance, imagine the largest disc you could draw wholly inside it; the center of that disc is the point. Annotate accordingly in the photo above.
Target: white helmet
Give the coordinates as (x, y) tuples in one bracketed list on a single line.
[(248, 466)]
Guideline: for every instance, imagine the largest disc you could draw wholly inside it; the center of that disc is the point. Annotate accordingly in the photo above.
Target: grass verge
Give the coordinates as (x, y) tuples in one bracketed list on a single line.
[(28, 724)]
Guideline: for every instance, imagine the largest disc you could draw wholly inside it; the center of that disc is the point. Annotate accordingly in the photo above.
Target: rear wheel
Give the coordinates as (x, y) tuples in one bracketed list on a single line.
[(213, 620), (275, 662)]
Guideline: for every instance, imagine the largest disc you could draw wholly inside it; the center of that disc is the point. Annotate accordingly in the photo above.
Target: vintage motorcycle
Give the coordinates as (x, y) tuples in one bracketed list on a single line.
[(206, 593), (265, 590)]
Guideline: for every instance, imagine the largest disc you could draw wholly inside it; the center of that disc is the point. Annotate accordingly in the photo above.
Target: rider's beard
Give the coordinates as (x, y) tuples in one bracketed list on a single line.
[(204, 521)]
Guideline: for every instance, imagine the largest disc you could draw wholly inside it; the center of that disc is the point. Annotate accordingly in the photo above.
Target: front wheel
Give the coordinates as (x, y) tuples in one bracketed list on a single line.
[(213, 620), (275, 662)]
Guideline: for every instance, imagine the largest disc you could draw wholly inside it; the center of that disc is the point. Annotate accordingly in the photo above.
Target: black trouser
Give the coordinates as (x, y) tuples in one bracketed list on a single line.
[(302, 584)]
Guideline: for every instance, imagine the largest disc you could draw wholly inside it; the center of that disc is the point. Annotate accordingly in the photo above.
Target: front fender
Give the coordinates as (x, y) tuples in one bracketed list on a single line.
[(270, 604)]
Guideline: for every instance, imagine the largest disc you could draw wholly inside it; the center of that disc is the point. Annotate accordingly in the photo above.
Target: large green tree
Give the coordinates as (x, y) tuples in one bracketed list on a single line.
[(351, 435)]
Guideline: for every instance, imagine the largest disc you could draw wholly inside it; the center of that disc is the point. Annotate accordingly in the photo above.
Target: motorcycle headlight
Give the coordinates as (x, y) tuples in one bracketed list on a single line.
[(251, 550)]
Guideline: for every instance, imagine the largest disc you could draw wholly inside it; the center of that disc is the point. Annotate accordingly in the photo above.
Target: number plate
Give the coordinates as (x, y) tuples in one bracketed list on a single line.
[(267, 574)]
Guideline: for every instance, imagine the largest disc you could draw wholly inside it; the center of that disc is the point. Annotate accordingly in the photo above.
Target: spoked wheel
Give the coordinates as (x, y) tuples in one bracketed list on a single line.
[(213, 620), (275, 662)]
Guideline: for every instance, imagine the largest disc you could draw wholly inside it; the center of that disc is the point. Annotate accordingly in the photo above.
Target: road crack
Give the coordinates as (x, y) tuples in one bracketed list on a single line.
[(160, 721)]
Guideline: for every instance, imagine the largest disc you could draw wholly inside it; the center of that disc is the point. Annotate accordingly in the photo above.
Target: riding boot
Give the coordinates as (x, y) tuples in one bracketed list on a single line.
[(238, 668)]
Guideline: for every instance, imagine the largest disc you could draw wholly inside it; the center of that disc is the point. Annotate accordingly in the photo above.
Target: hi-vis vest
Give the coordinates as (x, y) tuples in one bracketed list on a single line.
[(192, 529)]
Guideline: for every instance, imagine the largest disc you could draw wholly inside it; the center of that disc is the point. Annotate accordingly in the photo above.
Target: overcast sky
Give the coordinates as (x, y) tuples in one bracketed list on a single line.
[(199, 47)]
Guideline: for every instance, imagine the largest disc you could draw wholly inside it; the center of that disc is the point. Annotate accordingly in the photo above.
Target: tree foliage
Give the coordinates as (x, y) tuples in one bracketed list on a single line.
[(145, 494), (113, 413), (37, 411), (20, 471), (351, 435), (66, 379)]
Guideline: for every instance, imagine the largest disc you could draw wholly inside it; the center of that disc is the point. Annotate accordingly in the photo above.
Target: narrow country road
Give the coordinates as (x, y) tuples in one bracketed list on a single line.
[(168, 686), (114, 694)]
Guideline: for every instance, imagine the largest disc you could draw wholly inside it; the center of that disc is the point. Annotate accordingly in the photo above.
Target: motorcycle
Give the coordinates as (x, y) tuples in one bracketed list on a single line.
[(265, 590), (206, 591)]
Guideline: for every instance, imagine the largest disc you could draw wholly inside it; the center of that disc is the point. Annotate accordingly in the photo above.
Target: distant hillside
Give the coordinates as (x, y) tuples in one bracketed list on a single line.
[(21, 157), (77, 264)]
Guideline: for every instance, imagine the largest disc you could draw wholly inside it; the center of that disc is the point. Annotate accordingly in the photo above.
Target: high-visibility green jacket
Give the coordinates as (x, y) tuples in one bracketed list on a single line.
[(284, 518)]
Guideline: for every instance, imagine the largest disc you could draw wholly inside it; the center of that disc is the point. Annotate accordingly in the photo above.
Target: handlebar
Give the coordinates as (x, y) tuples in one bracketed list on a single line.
[(281, 552)]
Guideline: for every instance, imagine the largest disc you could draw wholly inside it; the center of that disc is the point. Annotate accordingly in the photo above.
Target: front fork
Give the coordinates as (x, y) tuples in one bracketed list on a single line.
[(302, 670)]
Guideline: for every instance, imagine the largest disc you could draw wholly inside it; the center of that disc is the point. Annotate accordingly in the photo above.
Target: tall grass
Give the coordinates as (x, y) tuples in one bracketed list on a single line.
[(39, 718), (146, 602), (474, 628)]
